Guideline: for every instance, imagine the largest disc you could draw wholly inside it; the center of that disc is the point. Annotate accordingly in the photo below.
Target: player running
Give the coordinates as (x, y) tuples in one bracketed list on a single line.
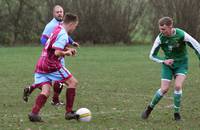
[(173, 42)]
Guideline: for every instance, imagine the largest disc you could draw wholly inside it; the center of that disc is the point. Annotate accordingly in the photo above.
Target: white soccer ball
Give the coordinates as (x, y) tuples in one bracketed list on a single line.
[(85, 114)]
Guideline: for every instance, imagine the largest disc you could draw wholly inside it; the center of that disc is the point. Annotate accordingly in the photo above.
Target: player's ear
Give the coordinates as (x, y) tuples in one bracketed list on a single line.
[(71, 23)]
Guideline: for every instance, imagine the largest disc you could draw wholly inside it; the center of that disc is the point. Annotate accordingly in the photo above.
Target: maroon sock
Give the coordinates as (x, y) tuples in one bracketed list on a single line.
[(56, 90), (70, 95), (39, 103)]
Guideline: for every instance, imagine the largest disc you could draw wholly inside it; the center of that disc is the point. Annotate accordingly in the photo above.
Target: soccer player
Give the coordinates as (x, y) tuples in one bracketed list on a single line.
[(49, 68), (173, 42), (58, 13)]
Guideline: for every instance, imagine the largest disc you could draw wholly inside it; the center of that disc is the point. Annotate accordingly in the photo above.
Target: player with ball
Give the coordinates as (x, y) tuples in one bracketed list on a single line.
[(49, 68)]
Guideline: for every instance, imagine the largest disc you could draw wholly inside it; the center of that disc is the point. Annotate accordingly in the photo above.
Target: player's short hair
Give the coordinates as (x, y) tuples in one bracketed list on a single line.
[(165, 21), (69, 17), (57, 6)]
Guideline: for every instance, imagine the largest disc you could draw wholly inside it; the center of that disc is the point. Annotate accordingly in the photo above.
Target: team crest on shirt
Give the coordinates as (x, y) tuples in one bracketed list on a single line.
[(173, 44), (170, 47)]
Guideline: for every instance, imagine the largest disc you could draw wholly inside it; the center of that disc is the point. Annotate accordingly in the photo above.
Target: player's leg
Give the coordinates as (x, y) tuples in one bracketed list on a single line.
[(63, 75), (57, 88), (28, 90), (165, 84), (181, 72), (167, 73), (70, 97), (177, 95), (41, 80), (39, 103)]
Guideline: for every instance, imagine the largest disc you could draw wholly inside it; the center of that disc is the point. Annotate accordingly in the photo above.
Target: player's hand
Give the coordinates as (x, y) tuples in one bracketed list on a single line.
[(75, 44), (66, 48), (73, 51), (68, 53), (168, 62)]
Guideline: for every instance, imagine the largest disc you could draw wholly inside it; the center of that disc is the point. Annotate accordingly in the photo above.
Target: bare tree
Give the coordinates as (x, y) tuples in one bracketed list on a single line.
[(101, 21), (15, 17), (107, 21), (186, 14), (21, 21)]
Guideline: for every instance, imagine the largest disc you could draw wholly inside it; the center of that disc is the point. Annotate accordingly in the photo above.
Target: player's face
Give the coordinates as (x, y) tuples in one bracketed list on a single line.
[(58, 13), (72, 26), (165, 30)]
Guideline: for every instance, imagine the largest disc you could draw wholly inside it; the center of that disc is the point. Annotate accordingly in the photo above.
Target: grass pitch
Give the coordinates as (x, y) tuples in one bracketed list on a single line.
[(115, 83)]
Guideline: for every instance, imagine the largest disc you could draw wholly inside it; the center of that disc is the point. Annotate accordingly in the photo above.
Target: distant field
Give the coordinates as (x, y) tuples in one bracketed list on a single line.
[(115, 83)]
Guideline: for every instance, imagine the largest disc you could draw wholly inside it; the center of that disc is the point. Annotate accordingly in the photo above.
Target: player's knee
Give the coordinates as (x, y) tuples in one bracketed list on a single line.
[(178, 87), (74, 83), (46, 91)]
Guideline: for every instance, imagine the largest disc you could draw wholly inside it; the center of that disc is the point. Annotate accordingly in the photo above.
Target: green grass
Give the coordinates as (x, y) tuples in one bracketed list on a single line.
[(115, 83)]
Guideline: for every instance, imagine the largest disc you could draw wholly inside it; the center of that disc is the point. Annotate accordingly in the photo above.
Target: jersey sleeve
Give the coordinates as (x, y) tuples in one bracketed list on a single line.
[(154, 51), (45, 34), (43, 39), (61, 42), (47, 31), (70, 40), (192, 43)]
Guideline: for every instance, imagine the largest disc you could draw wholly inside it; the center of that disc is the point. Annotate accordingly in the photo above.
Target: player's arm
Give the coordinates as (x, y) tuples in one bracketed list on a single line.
[(72, 42), (154, 51), (68, 52), (43, 39), (60, 49), (45, 34), (192, 43)]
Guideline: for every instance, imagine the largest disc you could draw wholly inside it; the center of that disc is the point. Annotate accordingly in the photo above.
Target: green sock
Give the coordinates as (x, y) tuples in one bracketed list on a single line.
[(156, 98), (177, 100)]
